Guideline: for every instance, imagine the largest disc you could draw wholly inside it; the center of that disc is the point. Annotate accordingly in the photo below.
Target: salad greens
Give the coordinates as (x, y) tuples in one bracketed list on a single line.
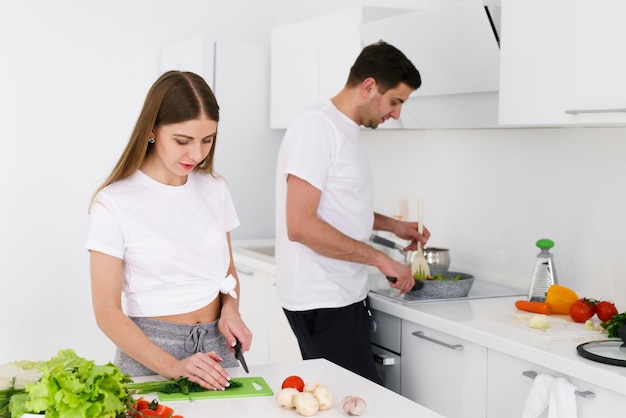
[(72, 387), (437, 276)]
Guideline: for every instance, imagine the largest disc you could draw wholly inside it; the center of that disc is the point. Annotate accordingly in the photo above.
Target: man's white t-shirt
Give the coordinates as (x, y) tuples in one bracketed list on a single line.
[(172, 240), (324, 148)]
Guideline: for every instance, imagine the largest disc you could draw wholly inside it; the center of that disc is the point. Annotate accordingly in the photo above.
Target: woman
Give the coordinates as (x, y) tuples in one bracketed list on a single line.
[(159, 234)]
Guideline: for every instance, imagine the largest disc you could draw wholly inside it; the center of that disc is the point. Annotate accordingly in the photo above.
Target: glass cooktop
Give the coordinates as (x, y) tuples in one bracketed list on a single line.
[(481, 289)]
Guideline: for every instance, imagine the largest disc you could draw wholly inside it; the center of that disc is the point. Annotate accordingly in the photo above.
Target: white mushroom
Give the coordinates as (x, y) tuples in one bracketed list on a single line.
[(310, 387), (323, 395), (285, 398), (306, 404), (353, 405)]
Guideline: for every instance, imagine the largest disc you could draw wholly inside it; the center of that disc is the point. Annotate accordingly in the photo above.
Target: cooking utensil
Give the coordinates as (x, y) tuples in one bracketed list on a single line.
[(239, 356), (419, 264), (438, 259), (445, 289), (392, 244), (544, 274), (417, 286), (250, 386)]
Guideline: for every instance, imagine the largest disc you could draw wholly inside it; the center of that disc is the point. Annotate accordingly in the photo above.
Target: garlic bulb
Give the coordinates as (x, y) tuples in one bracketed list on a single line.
[(353, 405)]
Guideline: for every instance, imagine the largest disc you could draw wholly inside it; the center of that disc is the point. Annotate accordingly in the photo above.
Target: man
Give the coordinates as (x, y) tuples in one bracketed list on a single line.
[(325, 215)]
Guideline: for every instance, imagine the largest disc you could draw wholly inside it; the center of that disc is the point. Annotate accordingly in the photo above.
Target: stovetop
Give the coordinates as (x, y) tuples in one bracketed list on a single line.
[(481, 289)]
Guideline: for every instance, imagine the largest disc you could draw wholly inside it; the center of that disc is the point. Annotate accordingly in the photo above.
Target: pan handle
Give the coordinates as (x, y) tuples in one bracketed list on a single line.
[(384, 241), (417, 286)]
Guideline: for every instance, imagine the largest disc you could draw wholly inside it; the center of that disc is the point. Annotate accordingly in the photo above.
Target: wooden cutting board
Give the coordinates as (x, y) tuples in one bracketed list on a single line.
[(251, 386)]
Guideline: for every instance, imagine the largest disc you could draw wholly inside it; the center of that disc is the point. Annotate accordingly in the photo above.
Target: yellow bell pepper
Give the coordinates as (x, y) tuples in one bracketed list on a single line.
[(560, 298)]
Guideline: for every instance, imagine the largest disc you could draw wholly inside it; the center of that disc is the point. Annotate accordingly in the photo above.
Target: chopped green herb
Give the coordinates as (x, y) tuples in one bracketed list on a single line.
[(613, 324), (180, 385)]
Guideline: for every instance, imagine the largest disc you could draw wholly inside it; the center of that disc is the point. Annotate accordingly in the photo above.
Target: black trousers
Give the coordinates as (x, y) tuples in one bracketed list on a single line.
[(340, 335)]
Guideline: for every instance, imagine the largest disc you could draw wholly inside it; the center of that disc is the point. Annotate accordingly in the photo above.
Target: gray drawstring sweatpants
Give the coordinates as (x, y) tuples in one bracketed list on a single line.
[(180, 340)]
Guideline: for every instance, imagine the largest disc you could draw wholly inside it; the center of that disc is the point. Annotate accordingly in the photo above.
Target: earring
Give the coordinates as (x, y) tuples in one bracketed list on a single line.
[(151, 140)]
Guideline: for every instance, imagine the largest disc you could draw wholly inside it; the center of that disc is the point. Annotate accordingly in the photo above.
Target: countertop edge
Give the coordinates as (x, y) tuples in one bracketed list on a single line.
[(534, 350)]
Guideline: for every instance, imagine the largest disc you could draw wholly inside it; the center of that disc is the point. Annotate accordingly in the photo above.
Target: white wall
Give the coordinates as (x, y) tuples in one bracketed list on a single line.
[(489, 195), (73, 75)]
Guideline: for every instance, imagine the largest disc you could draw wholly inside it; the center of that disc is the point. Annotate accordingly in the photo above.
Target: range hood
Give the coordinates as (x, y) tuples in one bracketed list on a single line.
[(455, 47)]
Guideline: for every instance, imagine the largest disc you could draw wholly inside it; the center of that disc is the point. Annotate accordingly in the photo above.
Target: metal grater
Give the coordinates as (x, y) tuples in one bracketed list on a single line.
[(544, 275)]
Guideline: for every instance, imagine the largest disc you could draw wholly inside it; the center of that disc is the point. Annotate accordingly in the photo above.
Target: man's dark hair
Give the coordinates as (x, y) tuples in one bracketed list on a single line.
[(387, 65)]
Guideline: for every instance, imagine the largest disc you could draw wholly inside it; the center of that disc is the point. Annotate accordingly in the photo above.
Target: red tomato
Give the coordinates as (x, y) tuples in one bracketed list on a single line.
[(164, 411), (295, 382), (606, 310), (149, 413), (581, 310), (141, 403)]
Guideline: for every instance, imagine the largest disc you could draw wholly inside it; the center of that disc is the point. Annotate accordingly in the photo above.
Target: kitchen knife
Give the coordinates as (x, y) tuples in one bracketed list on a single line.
[(239, 356)]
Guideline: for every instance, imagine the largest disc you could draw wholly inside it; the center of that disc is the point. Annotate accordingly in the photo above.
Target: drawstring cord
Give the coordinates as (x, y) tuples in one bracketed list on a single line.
[(195, 339)]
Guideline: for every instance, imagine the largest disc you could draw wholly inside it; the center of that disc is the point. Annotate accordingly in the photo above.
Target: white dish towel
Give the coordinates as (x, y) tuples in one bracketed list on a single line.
[(562, 399), (556, 393)]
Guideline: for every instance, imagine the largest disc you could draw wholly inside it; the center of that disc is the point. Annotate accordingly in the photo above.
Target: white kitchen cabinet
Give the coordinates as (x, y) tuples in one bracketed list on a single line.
[(561, 63), (311, 59), (442, 372), (273, 341), (245, 143), (254, 307), (509, 380)]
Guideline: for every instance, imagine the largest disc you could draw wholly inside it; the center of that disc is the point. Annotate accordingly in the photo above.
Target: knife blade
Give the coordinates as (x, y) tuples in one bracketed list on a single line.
[(239, 356)]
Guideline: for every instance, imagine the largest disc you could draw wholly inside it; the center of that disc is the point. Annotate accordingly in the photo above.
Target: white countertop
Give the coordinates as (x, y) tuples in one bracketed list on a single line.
[(381, 402), (492, 323)]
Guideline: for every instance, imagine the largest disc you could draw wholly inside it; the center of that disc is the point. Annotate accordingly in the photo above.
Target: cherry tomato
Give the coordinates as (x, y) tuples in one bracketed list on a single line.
[(164, 411), (149, 413), (295, 382), (606, 310), (581, 310), (141, 403)]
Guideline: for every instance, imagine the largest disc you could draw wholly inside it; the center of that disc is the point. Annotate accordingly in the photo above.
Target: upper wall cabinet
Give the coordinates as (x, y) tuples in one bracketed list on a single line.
[(562, 63), (455, 48), (452, 43), (310, 60)]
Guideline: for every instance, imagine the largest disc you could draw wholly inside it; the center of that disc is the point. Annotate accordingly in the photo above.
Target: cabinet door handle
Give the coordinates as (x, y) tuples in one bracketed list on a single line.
[(578, 111), (583, 394), (420, 334)]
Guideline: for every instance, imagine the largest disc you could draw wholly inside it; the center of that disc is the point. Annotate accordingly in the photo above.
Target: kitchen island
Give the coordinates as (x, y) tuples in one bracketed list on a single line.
[(381, 402)]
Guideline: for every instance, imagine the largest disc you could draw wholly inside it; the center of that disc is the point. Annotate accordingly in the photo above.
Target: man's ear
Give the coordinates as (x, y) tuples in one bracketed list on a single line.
[(368, 87)]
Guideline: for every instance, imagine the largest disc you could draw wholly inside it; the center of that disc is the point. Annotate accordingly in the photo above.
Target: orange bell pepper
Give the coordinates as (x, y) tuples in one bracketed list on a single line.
[(560, 298)]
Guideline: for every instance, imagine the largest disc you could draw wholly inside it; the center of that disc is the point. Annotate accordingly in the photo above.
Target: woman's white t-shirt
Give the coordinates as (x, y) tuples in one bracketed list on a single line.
[(172, 240), (324, 148)]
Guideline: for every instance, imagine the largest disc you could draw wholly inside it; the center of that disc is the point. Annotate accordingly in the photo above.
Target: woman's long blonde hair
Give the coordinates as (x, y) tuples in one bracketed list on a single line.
[(175, 97)]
